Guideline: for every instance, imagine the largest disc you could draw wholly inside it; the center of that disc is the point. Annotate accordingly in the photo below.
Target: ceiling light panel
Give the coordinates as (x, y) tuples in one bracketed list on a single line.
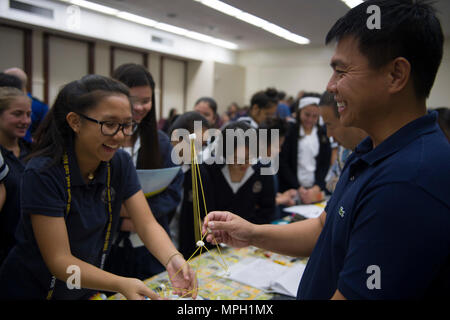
[(159, 25), (254, 20)]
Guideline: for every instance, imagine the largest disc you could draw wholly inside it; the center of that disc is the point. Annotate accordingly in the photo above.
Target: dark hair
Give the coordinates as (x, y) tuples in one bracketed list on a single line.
[(8, 80), (264, 99), (281, 95), (272, 93), (186, 121), (275, 124), (241, 130), (135, 75), (210, 101), (409, 29), (327, 100), (54, 135)]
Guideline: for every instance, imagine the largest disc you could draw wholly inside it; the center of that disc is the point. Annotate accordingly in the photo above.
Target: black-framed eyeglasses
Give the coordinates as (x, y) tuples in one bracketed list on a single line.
[(110, 128)]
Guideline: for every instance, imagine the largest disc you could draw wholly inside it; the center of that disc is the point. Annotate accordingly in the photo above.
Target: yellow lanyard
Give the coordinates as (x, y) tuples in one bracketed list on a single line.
[(69, 200)]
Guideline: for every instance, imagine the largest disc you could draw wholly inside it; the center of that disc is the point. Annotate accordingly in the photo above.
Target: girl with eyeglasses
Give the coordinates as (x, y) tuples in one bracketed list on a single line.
[(72, 192)]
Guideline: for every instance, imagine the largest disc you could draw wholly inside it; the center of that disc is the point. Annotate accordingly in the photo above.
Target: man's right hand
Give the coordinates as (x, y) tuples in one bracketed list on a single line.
[(226, 227)]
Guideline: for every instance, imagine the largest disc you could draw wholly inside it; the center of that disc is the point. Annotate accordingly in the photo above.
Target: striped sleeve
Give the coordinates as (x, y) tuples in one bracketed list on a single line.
[(3, 168)]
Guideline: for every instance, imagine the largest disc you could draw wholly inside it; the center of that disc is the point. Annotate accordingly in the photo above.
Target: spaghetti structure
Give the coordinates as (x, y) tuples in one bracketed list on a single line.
[(198, 196)]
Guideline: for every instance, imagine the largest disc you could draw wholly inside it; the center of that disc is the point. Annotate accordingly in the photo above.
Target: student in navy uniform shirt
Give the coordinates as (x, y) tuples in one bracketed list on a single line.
[(279, 125), (4, 170), (238, 185), (71, 195), (15, 110), (384, 233), (149, 148)]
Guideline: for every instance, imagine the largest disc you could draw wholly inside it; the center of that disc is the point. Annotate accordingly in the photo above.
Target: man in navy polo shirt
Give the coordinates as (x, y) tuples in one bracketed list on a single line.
[(385, 231)]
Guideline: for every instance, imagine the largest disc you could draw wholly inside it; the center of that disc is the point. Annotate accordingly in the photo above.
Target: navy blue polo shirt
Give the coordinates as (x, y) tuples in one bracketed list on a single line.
[(386, 234), (24, 274), (10, 213)]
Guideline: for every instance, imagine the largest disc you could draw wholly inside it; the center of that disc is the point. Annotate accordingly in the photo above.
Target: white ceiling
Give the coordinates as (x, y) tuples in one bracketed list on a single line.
[(309, 18)]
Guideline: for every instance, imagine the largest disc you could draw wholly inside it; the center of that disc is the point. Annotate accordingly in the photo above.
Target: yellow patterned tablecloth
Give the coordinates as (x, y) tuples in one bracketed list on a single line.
[(211, 286)]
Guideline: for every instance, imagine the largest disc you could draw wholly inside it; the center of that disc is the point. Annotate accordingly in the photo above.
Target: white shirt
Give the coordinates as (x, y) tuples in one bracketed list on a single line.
[(308, 149), (235, 186), (133, 152), (249, 120)]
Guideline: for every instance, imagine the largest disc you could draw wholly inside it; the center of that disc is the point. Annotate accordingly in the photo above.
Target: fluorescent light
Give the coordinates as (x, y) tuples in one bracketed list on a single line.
[(224, 44), (137, 19), (170, 28), (352, 3), (221, 6), (256, 21), (297, 39), (155, 24), (94, 6), (273, 28), (198, 36)]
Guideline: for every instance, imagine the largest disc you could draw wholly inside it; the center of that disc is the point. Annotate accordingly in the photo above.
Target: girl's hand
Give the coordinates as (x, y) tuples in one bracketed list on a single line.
[(135, 289), (311, 195), (184, 281)]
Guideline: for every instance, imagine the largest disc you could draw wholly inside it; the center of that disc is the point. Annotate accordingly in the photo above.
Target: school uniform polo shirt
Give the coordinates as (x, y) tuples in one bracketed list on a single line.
[(10, 213), (24, 274), (386, 234)]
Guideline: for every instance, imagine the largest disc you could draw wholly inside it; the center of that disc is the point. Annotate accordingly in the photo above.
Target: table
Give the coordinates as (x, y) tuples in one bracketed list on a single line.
[(213, 287)]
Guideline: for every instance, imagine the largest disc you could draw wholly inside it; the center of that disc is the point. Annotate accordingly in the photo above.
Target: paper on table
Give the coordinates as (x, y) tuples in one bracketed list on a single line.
[(306, 210), (289, 281), (156, 180), (267, 275), (255, 272)]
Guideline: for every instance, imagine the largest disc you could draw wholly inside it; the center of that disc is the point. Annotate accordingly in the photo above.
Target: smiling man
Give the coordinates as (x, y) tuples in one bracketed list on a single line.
[(384, 233)]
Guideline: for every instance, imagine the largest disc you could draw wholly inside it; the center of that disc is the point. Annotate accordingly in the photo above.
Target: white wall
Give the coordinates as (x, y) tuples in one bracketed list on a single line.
[(200, 81), (308, 68), (125, 56), (173, 84), (64, 68), (229, 85), (223, 82), (440, 94), (38, 66), (101, 57), (290, 70), (12, 48)]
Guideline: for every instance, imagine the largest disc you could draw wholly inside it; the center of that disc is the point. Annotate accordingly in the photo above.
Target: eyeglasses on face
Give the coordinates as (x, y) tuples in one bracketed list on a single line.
[(110, 128)]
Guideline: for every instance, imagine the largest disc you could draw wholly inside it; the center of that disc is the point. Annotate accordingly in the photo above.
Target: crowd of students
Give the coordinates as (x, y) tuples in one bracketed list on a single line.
[(70, 195)]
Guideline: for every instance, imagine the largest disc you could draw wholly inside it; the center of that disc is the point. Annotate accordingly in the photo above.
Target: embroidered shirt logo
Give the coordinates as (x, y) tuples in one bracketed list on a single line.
[(341, 212)]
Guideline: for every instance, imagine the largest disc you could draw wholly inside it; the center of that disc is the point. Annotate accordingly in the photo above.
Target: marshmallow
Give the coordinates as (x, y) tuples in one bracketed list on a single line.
[(200, 243)]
